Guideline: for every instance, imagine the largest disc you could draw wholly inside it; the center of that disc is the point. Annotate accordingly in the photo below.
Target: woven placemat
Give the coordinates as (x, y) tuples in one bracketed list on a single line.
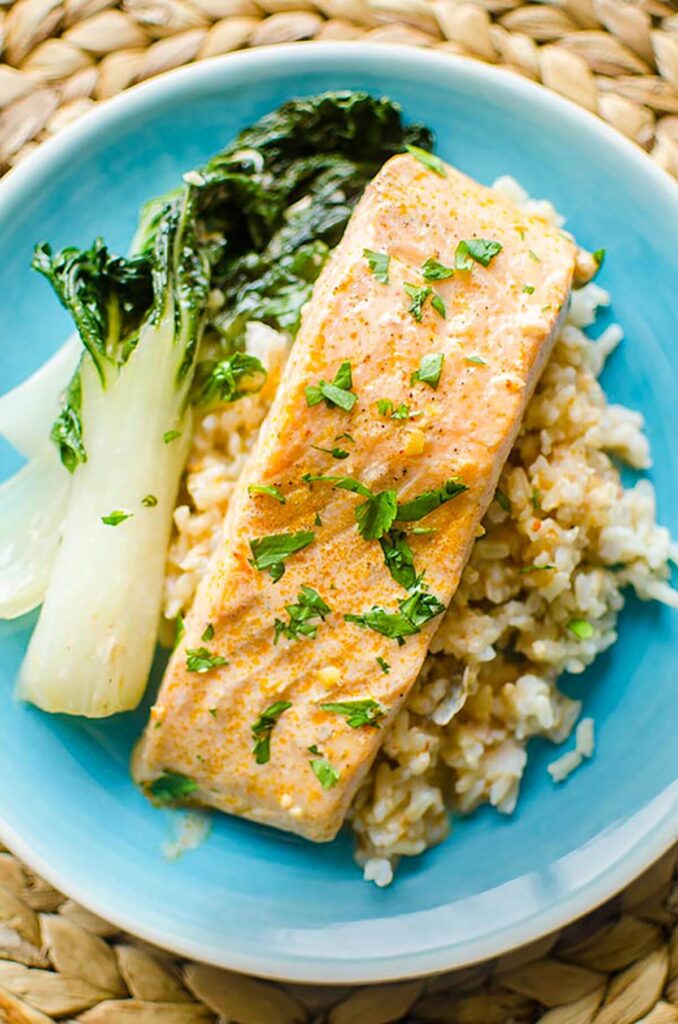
[(58, 961), (618, 59)]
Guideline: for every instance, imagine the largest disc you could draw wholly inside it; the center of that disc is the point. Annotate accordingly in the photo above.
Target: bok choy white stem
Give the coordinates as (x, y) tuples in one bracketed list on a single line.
[(124, 431)]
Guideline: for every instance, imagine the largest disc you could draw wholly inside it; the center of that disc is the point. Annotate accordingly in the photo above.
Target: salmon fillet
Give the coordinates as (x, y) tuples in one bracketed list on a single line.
[(284, 732)]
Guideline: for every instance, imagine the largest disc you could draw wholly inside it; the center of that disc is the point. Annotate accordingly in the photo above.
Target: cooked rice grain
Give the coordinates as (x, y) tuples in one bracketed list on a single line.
[(489, 683)]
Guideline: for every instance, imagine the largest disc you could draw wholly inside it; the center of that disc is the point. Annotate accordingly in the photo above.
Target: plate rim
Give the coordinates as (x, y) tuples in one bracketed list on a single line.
[(654, 843)]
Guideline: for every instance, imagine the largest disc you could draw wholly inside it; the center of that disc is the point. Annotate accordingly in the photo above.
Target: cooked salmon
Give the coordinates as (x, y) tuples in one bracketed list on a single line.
[(355, 515)]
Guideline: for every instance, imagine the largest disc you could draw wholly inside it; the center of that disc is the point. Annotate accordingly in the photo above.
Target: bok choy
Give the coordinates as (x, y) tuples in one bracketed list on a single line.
[(164, 330)]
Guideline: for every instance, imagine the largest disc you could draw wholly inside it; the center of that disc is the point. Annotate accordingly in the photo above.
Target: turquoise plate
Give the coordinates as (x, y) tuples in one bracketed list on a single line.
[(249, 898)]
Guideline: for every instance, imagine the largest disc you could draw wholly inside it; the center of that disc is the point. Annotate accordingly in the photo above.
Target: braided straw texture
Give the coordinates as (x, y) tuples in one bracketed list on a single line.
[(618, 58), (60, 962)]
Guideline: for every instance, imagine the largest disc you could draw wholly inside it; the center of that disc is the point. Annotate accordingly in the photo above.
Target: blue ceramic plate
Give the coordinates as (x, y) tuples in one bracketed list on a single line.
[(250, 898)]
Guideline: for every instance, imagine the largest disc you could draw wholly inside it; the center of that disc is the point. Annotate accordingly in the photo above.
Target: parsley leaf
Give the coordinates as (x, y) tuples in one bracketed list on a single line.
[(375, 516), (310, 605), (399, 558), (150, 501), (346, 483), (502, 500), (272, 492), (475, 250), (535, 568), (208, 634), (229, 379), (179, 629), (335, 394), (171, 435), (475, 360), (263, 727), (438, 303), (433, 270), (326, 774), (419, 297), (379, 263), (434, 163), (415, 610), (383, 665), (357, 712), (115, 518), (528, 289), (385, 407), (336, 453), (269, 553), (599, 257), (427, 501), (533, 256), (171, 786), (430, 368), (199, 659), (581, 629)]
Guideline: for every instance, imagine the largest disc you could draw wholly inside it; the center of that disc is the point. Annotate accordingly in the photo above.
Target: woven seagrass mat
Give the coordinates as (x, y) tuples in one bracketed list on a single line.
[(60, 962), (618, 59)]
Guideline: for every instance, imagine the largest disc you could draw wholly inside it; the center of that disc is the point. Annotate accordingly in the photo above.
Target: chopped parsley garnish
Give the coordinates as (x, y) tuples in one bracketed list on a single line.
[(199, 659), (272, 492), (212, 712), (336, 394), (150, 501), (533, 256), (232, 378), (430, 160), (263, 727), (310, 605), (345, 437), (179, 629), (502, 500), (528, 289), (427, 501), (376, 515), (415, 610), (433, 270), (373, 516), (336, 453), (269, 553), (357, 712), (383, 665), (326, 774), (346, 483), (423, 530), (317, 521), (115, 518), (475, 360), (599, 257), (475, 250), (418, 296), (535, 498), (379, 263), (581, 629), (535, 568), (399, 558), (171, 786), (438, 304), (171, 435), (385, 407), (208, 634)]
